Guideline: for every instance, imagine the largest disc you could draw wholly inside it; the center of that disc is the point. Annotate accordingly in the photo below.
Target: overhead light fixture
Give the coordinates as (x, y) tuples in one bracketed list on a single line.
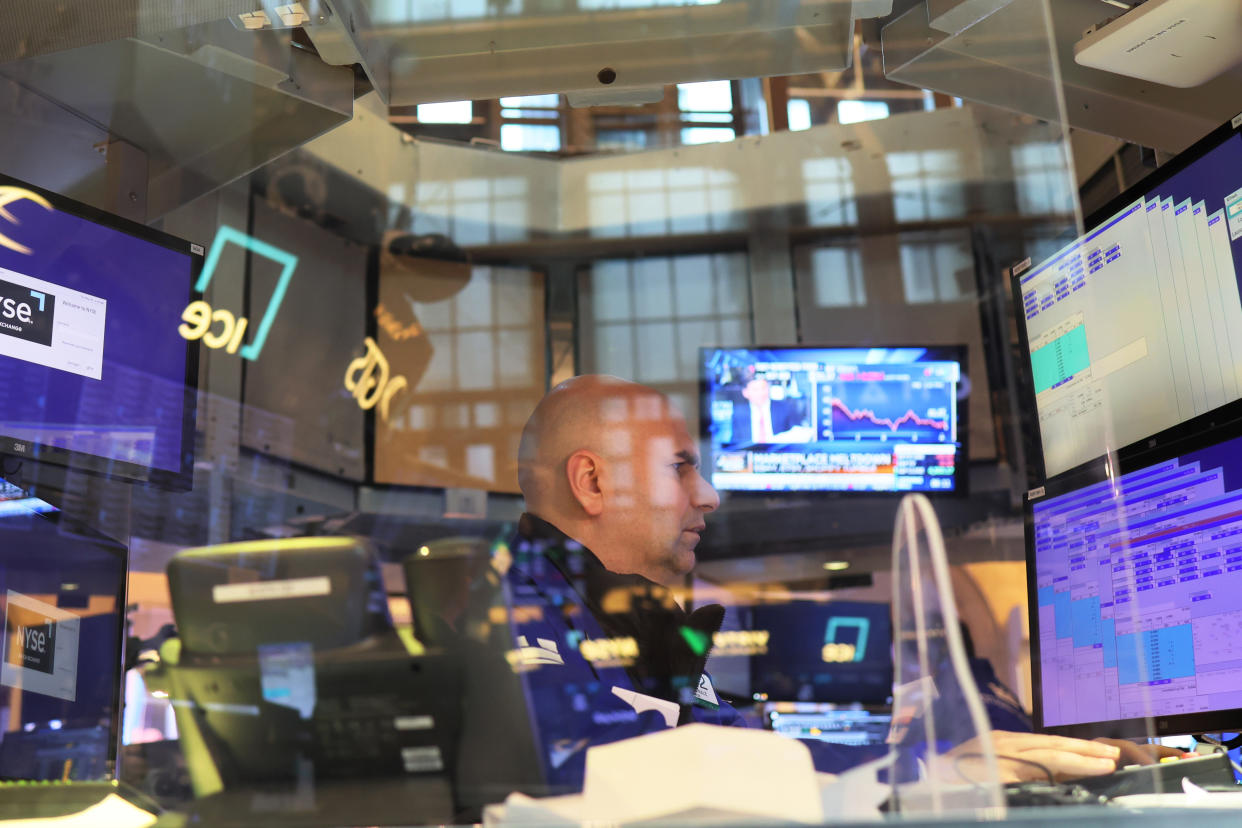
[(1179, 43), (836, 566)]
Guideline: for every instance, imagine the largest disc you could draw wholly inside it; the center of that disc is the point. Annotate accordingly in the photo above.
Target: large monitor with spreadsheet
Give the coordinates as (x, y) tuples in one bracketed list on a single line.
[(1135, 578), (1137, 326), (879, 419)]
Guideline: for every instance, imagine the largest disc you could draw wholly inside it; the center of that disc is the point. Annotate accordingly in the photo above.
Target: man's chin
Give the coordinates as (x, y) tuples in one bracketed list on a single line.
[(683, 561)]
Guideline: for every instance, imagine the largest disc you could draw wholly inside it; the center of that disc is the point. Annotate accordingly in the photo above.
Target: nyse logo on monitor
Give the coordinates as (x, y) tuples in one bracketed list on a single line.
[(25, 313), (31, 638)]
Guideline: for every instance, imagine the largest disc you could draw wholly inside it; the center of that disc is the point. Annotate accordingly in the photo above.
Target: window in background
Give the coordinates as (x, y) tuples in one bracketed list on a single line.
[(621, 139), (645, 319), (1041, 176), (927, 185), (474, 210), (853, 112), (640, 4), (836, 274), (449, 112), (530, 106), (531, 123), (710, 102), (706, 135), (530, 138), (799, 113), (937, 271), (476, 370), (661, 201), (829, 187), (398, 12)]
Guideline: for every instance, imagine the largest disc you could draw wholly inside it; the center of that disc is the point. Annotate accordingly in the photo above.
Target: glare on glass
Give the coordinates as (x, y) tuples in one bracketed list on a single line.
[(799, 114), (853, 112), (709, 96), (449, 112), (530, 137)]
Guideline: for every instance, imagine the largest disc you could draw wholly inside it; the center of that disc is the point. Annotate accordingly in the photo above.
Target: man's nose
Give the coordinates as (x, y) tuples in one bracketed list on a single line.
[(705, 496)]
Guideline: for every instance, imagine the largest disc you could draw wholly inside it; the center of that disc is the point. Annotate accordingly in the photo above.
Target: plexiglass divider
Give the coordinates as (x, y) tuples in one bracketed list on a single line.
[(946, 760)]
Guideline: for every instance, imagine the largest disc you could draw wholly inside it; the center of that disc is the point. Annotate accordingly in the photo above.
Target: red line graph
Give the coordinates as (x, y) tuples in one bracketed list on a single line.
[(893, 425)]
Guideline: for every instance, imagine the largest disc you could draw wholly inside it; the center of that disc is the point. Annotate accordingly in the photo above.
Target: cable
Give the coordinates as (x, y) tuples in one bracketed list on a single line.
[(957, 765)]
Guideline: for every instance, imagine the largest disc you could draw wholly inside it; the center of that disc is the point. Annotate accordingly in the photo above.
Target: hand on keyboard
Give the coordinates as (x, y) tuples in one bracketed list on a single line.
[(1022, 757)]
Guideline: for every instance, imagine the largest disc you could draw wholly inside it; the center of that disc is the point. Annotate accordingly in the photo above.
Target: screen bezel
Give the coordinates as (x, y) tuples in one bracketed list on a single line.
[(937, 353), (181, 479), (1200, 433), (1036, 468)]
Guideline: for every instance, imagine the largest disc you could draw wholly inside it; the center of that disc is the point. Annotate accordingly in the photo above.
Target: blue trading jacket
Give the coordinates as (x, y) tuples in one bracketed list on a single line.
[(580, 631)]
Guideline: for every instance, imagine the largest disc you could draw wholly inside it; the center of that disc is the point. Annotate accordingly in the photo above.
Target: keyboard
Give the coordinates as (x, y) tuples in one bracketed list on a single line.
[(1211, 772)]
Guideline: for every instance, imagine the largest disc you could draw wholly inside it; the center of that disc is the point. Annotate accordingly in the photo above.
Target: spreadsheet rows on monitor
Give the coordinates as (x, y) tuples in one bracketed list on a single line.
[(1137, 325), (1140, 593)]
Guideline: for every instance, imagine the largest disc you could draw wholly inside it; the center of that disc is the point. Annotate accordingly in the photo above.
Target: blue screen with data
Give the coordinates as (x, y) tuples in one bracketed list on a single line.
[(1137, 325), (1139, 584)]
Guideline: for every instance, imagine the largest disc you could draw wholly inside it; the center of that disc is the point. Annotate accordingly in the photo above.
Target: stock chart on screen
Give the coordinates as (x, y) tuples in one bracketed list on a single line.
[(834, 419)]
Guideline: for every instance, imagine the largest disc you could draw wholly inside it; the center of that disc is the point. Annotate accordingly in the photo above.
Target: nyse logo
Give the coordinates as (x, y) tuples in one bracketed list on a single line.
[(26, 314), (10, 195), (34, 646)]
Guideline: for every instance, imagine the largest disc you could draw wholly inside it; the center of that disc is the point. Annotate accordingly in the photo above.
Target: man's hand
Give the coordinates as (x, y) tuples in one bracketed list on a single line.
[(1136, 754), (1065, 758)]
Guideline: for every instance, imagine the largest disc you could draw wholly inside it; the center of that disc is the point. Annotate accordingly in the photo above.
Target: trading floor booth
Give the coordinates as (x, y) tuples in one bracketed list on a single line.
[(938, 310)]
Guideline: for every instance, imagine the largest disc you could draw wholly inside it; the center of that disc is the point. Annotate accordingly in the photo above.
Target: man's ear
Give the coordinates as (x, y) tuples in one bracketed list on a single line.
[(584, 471)]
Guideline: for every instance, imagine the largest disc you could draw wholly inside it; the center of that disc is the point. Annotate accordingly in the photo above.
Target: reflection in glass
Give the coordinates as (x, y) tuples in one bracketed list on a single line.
[(449, 112)]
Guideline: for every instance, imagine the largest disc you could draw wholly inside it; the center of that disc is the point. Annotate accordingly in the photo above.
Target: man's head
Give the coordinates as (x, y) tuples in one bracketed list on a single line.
[(611, 464)]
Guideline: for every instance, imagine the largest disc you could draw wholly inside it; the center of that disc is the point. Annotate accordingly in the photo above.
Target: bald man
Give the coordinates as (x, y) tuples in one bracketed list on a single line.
[(616, 506), (612, 465)]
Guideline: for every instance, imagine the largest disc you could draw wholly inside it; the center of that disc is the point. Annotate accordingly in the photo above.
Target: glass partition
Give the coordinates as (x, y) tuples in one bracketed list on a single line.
[(290, 286)]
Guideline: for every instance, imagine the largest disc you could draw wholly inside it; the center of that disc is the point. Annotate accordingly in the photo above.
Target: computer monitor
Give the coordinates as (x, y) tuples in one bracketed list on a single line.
[(836, 724), (883, 419), (289, 673), (62, 589), (834, 651), (1137, 325), (1135, 578), (93, 372)]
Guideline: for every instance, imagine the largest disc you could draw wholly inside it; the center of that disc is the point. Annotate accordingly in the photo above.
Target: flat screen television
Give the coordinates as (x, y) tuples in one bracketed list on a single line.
[(93, 372), (1137, 326), (1134, 571), (881, 419)]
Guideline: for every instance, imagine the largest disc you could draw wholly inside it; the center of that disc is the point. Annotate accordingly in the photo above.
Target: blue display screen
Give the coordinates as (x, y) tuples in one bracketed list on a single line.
[(1138, 581), (834, 419), (90, 358), (840, 651)]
